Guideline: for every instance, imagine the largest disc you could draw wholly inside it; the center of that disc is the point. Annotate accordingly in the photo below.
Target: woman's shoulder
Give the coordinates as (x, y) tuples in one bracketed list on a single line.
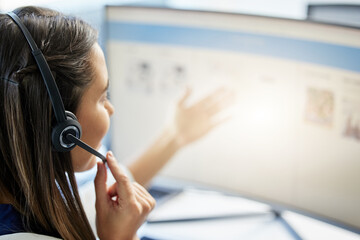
[(11, 226), (27, 236), (10, 220)]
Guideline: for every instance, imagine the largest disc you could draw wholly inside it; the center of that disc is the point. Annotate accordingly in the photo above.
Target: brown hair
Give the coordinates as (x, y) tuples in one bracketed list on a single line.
[(39, 182)]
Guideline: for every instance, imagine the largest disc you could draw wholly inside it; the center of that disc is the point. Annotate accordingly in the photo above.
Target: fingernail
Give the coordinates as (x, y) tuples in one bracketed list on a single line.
[(110, 154)]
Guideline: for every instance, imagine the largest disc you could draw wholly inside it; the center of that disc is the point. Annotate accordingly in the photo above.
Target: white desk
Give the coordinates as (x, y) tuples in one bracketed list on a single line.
[(266, 226)]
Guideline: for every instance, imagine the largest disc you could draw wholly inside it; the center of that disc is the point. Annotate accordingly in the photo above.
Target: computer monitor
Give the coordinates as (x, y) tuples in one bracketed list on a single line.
[(294, 137), (345, 14)]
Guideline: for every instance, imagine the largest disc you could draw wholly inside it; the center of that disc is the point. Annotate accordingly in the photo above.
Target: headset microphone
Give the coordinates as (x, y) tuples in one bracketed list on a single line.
[(67, 132)]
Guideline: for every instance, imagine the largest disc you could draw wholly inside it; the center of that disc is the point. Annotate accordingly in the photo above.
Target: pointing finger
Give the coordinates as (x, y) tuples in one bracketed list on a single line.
[(124, 184)]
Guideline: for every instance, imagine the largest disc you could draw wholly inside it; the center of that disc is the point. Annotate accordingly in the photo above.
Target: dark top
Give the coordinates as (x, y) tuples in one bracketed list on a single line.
[(10, 220)]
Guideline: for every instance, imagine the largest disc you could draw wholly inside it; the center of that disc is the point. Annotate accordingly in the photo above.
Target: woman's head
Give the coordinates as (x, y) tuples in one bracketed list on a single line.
[(37, 181)]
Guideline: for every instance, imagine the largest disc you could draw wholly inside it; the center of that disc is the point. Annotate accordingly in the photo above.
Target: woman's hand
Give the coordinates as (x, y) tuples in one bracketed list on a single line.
[(122, 207), (194, 121)]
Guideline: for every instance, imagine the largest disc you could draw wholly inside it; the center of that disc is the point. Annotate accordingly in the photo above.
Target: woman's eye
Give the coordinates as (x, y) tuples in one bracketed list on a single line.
[(105, 97)]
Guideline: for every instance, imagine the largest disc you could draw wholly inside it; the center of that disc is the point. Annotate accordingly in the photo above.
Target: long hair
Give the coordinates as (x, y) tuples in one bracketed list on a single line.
[(39, 182)]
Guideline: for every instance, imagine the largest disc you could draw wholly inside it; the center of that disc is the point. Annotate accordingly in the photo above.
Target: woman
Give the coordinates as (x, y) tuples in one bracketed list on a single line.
[(37, 185), (38, 191)]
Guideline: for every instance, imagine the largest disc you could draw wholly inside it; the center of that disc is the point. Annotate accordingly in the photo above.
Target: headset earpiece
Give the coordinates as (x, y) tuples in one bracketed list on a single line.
[(61, 130)]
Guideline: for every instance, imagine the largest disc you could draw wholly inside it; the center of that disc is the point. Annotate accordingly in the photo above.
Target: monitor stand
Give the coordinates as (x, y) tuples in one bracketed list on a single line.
[(286, 224)]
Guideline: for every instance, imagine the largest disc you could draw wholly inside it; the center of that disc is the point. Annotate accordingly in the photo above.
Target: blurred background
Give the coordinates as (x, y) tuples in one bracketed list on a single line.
[(282, 8), (93, 11), (296, 138)]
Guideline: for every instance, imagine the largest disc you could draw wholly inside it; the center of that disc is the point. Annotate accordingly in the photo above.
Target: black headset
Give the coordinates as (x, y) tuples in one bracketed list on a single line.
[(67, 131)]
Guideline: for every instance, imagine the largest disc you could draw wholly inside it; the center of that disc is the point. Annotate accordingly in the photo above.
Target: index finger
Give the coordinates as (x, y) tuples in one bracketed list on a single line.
[(125, 186), (185, 96)]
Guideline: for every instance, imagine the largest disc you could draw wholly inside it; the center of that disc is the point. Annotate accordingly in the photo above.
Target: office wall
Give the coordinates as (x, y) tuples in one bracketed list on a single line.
[(284, 8)]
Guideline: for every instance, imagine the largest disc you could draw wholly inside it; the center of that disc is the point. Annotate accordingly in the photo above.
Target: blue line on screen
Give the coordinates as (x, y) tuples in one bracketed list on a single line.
[(328, 54)]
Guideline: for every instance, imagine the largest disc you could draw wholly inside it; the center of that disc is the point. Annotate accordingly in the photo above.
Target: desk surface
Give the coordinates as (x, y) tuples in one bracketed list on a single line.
[(254, 227)]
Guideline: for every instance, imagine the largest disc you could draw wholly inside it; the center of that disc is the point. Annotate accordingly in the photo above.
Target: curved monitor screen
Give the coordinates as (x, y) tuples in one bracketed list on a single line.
[(294, 135)]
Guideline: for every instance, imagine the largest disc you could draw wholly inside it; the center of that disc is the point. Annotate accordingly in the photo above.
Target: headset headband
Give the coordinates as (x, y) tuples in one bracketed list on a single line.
[(44, 68)]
